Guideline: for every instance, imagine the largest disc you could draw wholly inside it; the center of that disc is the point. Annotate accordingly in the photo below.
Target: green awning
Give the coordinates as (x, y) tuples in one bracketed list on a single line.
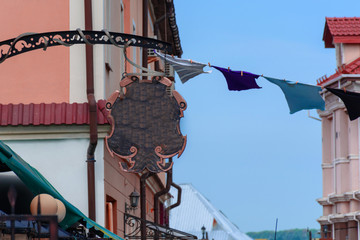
[(38, 184)]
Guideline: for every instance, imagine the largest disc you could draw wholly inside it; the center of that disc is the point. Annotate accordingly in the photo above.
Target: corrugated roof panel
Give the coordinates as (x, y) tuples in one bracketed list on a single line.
[(50, 114), (36, 114), (191, 214), (25, 116), (196, 211)]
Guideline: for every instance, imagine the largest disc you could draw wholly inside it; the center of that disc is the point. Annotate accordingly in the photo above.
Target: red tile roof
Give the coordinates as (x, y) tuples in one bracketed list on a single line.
[(350, 68), (50, 114), (341, 30)]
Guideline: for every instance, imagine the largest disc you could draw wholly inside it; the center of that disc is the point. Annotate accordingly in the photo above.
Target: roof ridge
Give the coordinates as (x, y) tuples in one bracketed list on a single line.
[(342, 18)]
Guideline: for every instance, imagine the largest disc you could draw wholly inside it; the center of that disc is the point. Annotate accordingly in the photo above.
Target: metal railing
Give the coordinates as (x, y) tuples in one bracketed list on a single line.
[(31, 226), (132, 229)]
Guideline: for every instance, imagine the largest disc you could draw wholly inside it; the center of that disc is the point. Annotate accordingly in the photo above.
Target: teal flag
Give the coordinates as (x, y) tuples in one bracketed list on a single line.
[(300, 96)]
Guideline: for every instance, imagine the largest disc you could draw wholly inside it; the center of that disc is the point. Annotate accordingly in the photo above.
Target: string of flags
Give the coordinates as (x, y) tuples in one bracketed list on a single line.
[(299, 96)]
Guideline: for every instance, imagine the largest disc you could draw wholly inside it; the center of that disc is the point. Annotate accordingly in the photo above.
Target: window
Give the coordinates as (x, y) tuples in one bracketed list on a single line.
[(111, 214)]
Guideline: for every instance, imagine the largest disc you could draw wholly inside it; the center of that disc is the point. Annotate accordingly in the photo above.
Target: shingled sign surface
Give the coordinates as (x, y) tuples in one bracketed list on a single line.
[(146, 124)]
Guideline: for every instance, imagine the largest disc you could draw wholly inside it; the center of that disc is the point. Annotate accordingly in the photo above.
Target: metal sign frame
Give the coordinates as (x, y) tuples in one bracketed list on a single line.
[(31, 41)]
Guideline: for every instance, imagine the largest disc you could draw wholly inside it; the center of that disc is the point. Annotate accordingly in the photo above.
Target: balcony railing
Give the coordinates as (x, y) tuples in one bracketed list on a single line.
[(132, 229)]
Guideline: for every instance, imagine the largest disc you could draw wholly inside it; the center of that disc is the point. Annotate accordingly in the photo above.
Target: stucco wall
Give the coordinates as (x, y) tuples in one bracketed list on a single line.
[(36, 76), (63, 164), (351, 52), (120, 184)]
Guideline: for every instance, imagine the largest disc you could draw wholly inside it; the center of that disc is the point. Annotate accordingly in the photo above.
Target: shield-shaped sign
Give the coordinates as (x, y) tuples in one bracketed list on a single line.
[(146, 124)]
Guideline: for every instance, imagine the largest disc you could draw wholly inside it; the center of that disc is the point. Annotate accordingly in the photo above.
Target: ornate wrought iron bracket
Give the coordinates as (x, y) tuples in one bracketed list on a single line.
[(132, 227), (31, 41)]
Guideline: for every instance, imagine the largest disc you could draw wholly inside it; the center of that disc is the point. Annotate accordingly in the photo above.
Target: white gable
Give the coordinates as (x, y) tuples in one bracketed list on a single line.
[(196, 211)]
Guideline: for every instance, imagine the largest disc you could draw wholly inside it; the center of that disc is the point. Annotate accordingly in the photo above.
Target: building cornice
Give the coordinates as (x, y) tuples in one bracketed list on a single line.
[(323, 220), (349, 158), (353, 157), (339, 198), (333, 199), (341, 160), (50, 132), (356, 195), (327, 165), (331, 107), (351, 216), (324, 201), (338, 218)]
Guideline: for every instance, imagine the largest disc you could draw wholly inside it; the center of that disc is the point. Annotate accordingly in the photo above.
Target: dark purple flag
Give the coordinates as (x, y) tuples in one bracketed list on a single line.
[(351, 101), (239, 80)]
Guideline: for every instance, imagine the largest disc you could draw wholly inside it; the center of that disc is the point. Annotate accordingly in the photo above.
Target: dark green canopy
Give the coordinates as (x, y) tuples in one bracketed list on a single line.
[(38, 184)]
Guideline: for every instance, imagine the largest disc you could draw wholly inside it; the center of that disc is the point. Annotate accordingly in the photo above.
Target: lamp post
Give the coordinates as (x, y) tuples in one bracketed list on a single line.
[(310, 233), (325, 230), (204, 233)]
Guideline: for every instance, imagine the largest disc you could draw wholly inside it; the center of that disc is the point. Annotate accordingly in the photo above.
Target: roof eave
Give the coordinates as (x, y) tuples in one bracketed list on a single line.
[(327, 37), (346, 39), (174, 29)]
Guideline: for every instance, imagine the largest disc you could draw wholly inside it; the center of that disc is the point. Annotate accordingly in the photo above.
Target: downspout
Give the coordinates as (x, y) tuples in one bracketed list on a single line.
[(178, 201), (148, 174), (159, 194), (93, 115), (332, 226), (358, 226), (178, 197), (334, 123), (145, 33), (143, 203)]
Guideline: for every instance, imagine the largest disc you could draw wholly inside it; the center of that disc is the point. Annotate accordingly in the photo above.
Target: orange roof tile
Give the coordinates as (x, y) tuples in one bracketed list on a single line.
[(341, 30)]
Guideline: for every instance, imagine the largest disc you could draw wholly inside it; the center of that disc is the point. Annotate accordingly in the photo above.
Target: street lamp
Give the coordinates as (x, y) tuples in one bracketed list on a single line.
[(134, 202), (325, 230), (203, 230)]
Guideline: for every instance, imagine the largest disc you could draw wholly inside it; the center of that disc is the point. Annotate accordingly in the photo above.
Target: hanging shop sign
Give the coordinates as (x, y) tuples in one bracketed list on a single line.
[(146, 124)]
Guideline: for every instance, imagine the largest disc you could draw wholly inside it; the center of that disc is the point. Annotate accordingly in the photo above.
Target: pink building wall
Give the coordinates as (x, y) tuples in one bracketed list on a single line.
[(340, 137), (30, 78), (45, 77)]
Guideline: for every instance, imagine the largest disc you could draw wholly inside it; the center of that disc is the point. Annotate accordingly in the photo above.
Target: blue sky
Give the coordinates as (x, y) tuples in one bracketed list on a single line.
[(245, 152)]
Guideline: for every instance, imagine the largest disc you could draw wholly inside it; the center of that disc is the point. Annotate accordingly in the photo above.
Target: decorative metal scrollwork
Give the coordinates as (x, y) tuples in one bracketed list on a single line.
[(132, 229), (31, 41)]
